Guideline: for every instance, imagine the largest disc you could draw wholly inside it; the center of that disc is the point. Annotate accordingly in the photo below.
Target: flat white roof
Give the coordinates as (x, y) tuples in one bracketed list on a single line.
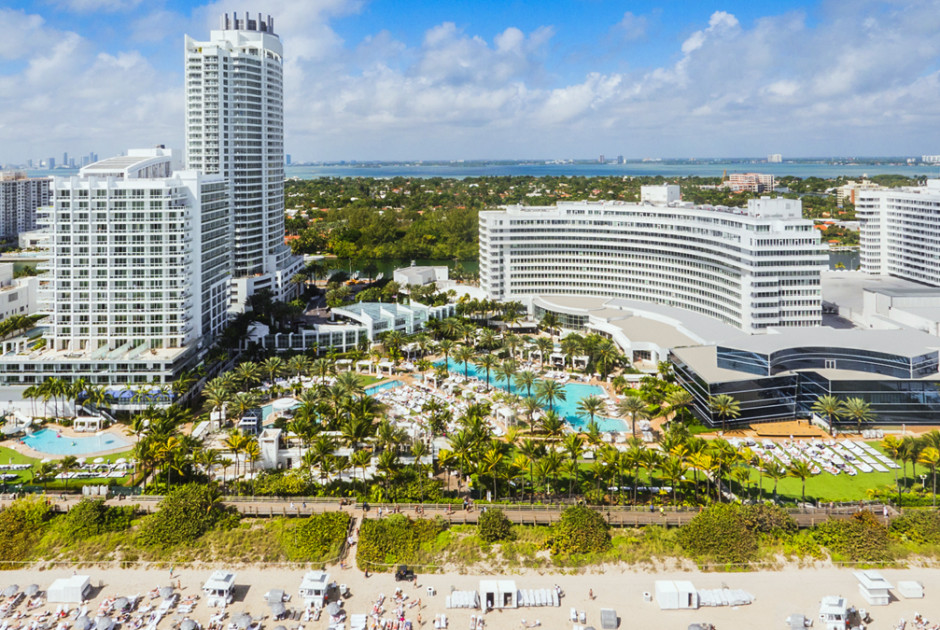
[(220, 581)]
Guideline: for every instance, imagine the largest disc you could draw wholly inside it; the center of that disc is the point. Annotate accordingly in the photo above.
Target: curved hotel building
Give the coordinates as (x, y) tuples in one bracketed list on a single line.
[(751, 267)]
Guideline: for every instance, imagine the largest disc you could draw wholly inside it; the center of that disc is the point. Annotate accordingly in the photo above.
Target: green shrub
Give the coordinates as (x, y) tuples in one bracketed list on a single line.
[(315, 539), (580, 530), (719, 533), (185, 514), (22, 525), (766, 518), (90, 517), (290, 483), (859, 538), (395, 540), (921, 527), (493, 525)]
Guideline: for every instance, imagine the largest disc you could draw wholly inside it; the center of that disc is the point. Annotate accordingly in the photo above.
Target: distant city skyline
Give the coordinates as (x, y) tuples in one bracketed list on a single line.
[(382, 80)]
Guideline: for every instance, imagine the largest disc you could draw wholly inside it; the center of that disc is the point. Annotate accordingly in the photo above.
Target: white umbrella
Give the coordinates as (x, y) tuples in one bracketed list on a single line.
[(98, 460), (11, 590), (120, 460)]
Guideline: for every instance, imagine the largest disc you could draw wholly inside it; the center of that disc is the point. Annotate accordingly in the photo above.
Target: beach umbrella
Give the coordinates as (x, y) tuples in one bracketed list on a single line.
[(120, 603), (166, 592), (188, 624), (103, 623), (279, 628), (334, 609), (11, 590), (31, 590), (277, 609), (82, 623), (242, 621), (98, 460), (120, 460), (274, 595)]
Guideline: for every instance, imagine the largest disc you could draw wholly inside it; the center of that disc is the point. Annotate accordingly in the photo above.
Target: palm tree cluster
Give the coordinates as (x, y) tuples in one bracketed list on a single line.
[(923, 450), (855, 410)]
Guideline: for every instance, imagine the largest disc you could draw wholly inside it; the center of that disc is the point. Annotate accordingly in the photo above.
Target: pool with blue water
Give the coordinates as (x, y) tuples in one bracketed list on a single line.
[(568, 408), (50, 441)]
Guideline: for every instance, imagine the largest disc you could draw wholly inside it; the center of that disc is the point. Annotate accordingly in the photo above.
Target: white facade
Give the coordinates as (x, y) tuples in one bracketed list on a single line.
[(137, 277), (900, 232), (751, 268), (235, 127), (17, 296), (20, 196)]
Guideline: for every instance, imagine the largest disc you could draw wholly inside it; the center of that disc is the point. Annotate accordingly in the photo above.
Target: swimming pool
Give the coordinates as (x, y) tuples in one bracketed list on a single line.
[(375, 389), (567, 408), (48, 441)]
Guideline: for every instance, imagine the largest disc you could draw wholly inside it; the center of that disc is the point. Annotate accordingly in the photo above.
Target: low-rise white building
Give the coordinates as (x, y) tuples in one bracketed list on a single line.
[(420, 275), (17, 296)]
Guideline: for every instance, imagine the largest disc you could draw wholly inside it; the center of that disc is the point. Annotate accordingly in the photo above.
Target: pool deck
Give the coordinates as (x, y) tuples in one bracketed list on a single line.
[(67, 433)]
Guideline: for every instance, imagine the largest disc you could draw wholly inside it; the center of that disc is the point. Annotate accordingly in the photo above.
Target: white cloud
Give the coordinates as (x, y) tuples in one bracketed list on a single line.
[(97, 6), (844, 83)]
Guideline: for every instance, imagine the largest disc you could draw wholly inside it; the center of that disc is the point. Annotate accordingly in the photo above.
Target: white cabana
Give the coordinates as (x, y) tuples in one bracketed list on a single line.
[(70, 590), (313, 588), (873, 587), (498, 594), (284, 404), (833, 613), (219, 588), (676, 595)]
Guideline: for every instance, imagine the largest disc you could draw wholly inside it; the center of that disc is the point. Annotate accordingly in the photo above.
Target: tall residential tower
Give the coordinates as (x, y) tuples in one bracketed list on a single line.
[(235, 127)]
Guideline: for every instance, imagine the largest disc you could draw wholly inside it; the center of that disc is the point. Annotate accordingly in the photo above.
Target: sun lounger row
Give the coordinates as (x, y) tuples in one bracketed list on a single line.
[(538, 597), (724, 597), (463, 599)]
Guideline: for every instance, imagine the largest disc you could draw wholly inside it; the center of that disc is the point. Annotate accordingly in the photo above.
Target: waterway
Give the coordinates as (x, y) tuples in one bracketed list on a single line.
[(539, 169)]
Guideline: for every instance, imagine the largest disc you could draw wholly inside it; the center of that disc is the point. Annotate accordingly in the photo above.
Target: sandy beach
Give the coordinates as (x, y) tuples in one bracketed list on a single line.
[(778, 594)]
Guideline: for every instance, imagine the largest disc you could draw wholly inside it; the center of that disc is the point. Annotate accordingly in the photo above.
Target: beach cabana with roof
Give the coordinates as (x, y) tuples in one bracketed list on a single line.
[(313, 588), (498, 594), (69, 590), (676, 595), (219, 588)]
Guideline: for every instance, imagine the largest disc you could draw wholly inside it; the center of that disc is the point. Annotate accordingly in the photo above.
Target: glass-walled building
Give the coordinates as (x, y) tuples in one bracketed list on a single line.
[(779, 376)]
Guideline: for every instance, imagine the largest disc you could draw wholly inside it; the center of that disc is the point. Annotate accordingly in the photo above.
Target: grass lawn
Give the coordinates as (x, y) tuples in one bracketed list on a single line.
[(826, 487), (368, 379), (10, 456)]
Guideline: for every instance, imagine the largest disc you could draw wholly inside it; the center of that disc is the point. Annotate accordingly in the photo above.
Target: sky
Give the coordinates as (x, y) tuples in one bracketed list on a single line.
[(494, 79)]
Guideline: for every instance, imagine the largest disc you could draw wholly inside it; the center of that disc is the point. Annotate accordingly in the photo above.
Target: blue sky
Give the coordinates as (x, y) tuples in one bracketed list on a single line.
[(402, 79)]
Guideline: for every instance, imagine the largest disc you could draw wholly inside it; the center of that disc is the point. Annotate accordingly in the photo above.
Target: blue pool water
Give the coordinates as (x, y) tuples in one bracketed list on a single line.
[(375, 389), (567, 408), (46, 441)]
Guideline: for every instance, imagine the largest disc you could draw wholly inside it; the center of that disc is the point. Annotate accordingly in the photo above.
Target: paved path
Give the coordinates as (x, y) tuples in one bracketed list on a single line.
[(518, 513)]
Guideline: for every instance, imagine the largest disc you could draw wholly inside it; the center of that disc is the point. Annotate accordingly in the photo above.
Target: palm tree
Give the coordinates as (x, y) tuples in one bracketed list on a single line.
[(801, 470), (66, 465), (859, 410), (446, 346), (273, 367), (590, 406), (361, 459), (725, 407), (491, 464), (235, 442), (673, 469), (446, 460), (893, 446), (506, 371), (44, 472), (552, 425), (549, 391), (548, 466), (634, 407), (550, 323), (775, 470), (464, 354), (831, 407), (574, 447), (677, 401), (545, 347), (525, 380), (387, 464), (419, 450), (930, 457), (487, 362), (247, 373), (532, 451)]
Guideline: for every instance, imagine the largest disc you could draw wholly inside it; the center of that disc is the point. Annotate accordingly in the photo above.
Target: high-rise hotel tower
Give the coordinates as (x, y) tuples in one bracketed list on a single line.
[(235, 127)]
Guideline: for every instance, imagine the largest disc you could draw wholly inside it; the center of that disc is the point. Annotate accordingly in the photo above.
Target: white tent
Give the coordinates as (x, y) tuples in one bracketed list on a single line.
[(498, 594), (873, 587), (313, 587), (70, 590), (219, 588), (676, 595)]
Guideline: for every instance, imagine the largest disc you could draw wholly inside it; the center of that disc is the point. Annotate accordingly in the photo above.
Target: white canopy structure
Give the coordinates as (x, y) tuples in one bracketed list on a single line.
[(873, 587), (676, 595), (219, 588), (70, 590), (313, 588), (498, 594)]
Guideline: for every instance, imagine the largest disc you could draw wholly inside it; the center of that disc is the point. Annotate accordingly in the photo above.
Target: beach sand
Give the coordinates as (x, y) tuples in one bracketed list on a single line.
[(778, 594)]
